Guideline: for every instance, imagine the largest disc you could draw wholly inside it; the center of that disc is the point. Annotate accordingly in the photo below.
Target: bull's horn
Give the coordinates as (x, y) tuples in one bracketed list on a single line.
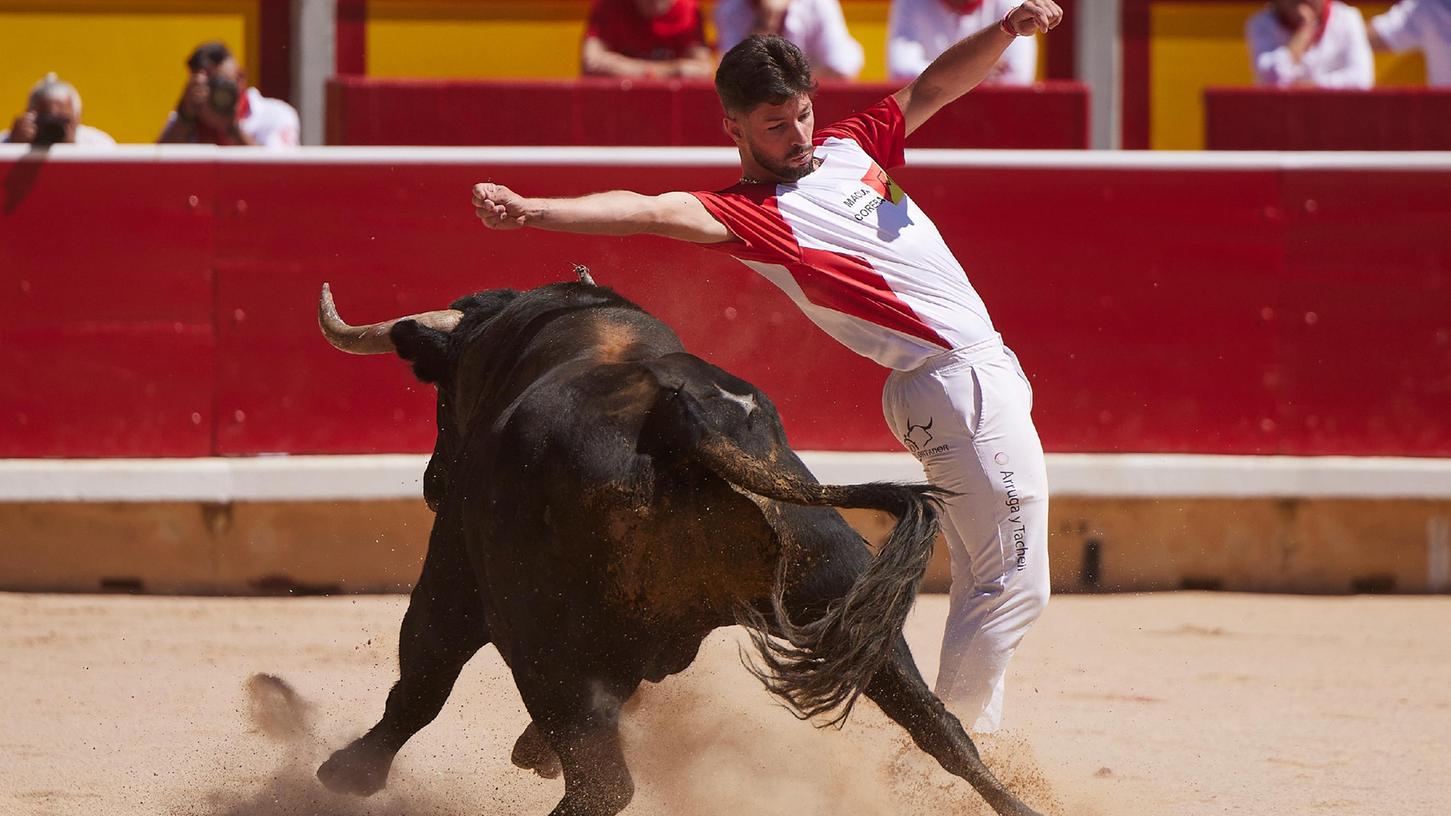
[(373, 338)]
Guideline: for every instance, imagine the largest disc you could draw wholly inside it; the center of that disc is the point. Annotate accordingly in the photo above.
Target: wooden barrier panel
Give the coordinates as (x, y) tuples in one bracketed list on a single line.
[(1318, 119), (1096, 545), (1214, 305), (601, 112)]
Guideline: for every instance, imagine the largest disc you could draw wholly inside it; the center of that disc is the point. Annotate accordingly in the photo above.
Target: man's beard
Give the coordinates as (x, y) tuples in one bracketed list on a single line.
[(786, 170)]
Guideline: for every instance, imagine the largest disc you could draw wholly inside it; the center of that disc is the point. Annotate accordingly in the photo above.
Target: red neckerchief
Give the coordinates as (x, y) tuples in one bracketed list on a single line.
[(1319, 30), (963, 6), (206, 134)]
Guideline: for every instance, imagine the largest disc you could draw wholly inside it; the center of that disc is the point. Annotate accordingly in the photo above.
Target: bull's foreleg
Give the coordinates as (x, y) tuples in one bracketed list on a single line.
[(898, 689), (580, 721), (443, 627)]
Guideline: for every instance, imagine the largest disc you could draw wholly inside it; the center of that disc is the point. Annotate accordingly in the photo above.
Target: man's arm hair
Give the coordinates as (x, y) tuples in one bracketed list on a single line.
[(621, 212), (958, 70)]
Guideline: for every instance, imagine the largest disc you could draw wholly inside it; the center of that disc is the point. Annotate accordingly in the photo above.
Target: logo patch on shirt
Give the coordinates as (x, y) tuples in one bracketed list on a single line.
[(877, 179), (874, 190)]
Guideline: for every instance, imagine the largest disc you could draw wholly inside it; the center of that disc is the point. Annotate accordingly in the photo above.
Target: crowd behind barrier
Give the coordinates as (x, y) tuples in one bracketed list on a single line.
[(1210, 304), (1195, 44), (1315, 119), (603, 111)]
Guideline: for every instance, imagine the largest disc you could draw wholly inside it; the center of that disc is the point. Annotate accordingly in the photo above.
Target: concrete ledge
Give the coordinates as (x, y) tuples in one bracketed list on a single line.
[(399, 476)]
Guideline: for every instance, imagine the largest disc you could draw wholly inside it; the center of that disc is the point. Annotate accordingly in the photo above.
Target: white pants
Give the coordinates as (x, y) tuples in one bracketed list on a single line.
[(965, 414)]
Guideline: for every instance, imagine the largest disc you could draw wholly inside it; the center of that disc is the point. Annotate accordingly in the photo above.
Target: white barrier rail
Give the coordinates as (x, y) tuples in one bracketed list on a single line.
[(399, 476), (1416, 161)]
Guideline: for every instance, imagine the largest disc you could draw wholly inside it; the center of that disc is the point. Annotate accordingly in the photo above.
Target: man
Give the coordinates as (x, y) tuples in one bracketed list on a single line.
[(645, 38), (817, 27), (821, 219), (1418, 25), (217, 106), (53, 116), (1310, 43), (920, 30)]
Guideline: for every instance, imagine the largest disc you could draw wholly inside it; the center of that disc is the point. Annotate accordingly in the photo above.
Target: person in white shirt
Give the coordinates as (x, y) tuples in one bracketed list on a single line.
[(816, 213), (817, 27), (218, 107), (920, 30), (1310, 43), (1418, 25), (53, 116)]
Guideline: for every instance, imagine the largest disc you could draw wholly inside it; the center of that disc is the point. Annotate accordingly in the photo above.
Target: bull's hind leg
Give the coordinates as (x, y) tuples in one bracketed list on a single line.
[(898, 689), (580, 719), (443, 627)]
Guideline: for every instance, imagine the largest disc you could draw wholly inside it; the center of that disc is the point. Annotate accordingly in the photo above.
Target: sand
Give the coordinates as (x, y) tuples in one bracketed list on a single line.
[(1182, 703)]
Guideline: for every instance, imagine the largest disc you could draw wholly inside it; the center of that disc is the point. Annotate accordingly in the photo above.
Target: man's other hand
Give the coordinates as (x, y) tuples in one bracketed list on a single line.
[(23, 129), (499, 207), (1035, 16)]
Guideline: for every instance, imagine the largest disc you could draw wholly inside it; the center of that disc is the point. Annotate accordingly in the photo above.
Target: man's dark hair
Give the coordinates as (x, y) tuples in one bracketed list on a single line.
[(207, 55), (762, 68)]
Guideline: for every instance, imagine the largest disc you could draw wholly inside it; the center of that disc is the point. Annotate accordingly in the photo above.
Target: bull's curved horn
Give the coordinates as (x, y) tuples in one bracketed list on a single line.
[(373, 338)]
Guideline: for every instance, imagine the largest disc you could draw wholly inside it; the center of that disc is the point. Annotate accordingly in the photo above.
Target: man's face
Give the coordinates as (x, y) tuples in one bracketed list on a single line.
[(1289, 9), (650, 9), (777, 136), (61, 110), (226, 68)]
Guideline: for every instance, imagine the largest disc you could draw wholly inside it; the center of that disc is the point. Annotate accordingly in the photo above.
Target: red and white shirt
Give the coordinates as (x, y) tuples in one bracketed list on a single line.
[(852, 249), (624, 30)]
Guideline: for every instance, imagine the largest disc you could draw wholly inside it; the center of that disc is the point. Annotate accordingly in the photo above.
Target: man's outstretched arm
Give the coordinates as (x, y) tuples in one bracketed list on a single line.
[(967, 63), (619, 212)]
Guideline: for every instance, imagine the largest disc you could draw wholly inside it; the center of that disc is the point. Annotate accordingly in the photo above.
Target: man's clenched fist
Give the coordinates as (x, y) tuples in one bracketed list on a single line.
[(499, 207)]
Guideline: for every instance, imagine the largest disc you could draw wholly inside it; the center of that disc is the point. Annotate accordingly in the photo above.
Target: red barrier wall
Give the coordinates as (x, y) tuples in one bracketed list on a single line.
[(593, 112), (167, 308), (1318, 119)]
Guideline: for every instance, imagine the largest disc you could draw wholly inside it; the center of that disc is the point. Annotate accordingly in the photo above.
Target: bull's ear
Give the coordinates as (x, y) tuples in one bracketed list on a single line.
[(425, 348)]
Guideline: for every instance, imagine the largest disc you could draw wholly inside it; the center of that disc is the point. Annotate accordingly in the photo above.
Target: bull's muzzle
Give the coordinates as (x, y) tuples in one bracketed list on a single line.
[(373, 338)]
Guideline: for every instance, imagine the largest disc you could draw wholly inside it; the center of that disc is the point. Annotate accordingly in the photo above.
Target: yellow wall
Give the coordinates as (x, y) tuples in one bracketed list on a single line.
[(1195, 45), (126, 58), (466, 38), (529, 38)]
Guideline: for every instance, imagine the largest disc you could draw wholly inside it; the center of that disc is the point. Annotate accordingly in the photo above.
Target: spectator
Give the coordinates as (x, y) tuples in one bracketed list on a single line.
[(218, 107), (645, 38), (1423, 25), (1318, 43), (53, 116), (920, 30), (817, 27)]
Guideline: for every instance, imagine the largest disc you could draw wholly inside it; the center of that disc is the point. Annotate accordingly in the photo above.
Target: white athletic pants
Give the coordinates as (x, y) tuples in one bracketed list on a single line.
[(965, 414)]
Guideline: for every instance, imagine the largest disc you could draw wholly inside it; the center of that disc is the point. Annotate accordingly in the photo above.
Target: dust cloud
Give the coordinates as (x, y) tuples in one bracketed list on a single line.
[(709, 742)]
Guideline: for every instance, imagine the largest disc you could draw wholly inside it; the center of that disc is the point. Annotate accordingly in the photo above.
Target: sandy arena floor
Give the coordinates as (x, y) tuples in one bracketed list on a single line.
[(1154, 705)]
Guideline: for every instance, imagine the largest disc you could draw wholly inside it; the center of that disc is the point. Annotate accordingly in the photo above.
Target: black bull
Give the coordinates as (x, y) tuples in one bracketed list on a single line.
[(603, 501)]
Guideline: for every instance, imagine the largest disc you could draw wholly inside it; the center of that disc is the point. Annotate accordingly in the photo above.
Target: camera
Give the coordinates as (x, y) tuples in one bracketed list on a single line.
[(50, 129), (224, 96)]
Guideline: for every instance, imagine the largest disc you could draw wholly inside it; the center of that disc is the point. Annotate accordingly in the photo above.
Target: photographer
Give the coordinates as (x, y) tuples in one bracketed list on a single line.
[(53, 116), (217, 106)]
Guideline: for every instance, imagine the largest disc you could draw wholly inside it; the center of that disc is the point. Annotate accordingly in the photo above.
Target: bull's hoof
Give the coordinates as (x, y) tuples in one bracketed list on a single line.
[(356, 769), (532, 753)]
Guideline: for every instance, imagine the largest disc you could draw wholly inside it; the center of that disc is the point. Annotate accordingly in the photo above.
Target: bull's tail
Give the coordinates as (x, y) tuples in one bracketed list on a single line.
[(823, 666)]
